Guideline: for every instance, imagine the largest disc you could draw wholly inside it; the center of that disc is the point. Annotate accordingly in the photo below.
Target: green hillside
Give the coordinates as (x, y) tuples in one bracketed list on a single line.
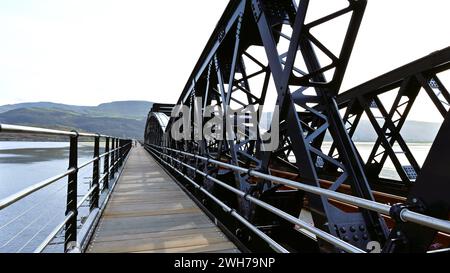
[(122, 109), (122, 119)]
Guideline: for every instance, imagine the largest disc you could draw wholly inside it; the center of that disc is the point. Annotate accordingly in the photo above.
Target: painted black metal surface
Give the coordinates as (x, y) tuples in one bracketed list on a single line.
[(262, 46)]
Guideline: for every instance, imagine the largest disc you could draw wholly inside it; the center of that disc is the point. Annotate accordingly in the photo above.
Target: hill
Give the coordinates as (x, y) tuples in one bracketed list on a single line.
[(120, 118), (127, 109), (127, 119), (412, 131)]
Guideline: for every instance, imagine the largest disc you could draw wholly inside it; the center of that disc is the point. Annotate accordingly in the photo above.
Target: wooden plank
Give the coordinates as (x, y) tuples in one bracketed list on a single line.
[(137, 212), (154, 243), (158, 234), (147, 229), (148, 212), (192, 249)]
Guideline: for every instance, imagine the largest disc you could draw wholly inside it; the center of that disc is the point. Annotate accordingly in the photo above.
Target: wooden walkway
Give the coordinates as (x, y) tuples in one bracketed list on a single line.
[(148, 212)]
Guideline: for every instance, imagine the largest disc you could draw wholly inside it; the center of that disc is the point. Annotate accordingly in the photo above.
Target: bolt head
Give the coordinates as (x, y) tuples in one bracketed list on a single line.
[(238, 232)]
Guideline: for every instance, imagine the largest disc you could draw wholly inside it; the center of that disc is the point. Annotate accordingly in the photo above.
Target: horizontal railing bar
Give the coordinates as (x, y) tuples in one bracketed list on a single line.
[(55, 231), (5, 202), (113, 165), (88, 162), (100, 156), (319, 233), (103, 177), (86, 196), (37, 204), (439, 250), (277, 247), (406, 214), (19, 129), (113, 150), (71, 214)]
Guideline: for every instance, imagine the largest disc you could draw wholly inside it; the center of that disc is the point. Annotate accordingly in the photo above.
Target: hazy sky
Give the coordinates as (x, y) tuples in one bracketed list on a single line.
[(91, 51)]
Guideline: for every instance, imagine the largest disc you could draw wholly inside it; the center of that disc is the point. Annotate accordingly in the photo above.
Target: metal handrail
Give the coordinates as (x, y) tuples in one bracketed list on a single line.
[(86, 196), (11, 199), (118, 152), (7, 201), (277, 247), (101, 156), (55, 231), (19, 129), (406, 215), (318, 232)]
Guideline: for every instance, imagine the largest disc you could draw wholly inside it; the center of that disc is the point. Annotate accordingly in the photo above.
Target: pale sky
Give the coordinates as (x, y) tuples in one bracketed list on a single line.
[(91, 51)]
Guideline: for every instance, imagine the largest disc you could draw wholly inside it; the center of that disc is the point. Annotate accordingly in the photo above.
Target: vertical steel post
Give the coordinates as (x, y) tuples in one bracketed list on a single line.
[(116, 157), (106, 165), (121, 152), (95, 174), (70, 237), (113, 143)]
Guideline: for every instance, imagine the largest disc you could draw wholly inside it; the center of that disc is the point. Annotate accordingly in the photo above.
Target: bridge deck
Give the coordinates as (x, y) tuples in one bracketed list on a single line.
[(148, 212)]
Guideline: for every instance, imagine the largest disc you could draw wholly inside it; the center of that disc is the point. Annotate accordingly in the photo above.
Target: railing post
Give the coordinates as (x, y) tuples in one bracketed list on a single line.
[(120, 152), (124, 149), (95, 174), (106, 165), (70, 236), (113, 143), (116, 167)]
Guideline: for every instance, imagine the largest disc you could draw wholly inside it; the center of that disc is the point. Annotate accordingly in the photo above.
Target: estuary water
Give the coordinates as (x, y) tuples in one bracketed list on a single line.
[(25, 224)]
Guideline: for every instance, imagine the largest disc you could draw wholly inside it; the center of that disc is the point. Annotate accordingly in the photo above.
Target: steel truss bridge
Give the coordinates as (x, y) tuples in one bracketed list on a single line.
[(263, 48), (317, 191)]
